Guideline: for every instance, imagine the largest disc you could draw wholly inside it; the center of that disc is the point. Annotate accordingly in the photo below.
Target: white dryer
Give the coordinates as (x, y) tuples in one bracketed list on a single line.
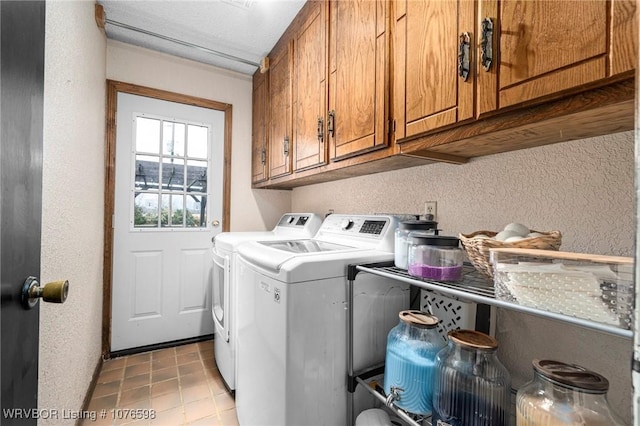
[(291, 226), (292, 328)]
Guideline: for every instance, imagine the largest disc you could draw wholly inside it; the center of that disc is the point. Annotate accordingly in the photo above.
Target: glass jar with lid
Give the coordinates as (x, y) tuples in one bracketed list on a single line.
[(402, 238), (471, 386), (564, 394), (435, 257), (412, 346)]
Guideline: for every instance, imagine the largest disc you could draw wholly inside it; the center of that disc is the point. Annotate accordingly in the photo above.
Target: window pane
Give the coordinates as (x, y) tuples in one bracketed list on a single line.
[(147, 135), (172, 210), (145, 210), (173, 139), (147, 172), (173, 174), (196, 176), (196, 211), (197, 145)]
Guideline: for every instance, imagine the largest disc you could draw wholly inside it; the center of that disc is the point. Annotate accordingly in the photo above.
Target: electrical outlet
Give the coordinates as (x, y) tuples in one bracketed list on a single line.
[(431, 207)]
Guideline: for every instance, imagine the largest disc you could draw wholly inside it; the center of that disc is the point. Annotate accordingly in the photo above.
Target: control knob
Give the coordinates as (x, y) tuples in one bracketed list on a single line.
[(346, 224)]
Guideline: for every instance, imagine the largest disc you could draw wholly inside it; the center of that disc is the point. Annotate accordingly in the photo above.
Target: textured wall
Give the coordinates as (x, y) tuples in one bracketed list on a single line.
[(72, 217), (251, 210), (582, 188)]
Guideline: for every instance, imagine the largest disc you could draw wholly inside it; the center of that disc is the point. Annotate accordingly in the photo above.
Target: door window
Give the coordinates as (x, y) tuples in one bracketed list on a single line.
[(171, 160)]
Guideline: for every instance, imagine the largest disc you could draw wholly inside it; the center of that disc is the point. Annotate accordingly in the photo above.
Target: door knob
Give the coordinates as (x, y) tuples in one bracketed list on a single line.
[(215, 223), (54, 292)]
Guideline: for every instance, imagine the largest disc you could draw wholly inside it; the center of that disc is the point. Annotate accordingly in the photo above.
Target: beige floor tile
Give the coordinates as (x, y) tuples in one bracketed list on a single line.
[(173, 416), (136, 381), (224, 402), (104, 389), (187, 358), (103, 403), (191, 368), (160, 363), (111, 375), (184, 349), (129, 396), (228, 417), (164, 374), (163, 353), (166, 401), (206, 421), (138, 358), (195, 393), (167, 386), (137, 369), (217, 386), (199, 409), (114, 363), (189, 380)]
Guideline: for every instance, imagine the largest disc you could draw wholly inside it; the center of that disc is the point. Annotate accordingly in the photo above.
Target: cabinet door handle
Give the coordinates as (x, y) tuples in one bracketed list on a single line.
[(285, 146), (320, 130), (486, 44), (263, 156), (464, 56), (331, 123)]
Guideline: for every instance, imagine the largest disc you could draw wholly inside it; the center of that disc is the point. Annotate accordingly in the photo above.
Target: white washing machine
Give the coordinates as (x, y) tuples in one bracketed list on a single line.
[(292, 328), (224, 307)]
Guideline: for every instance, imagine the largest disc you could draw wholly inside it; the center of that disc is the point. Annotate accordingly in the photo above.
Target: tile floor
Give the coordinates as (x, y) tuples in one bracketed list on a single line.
[(179, 385)]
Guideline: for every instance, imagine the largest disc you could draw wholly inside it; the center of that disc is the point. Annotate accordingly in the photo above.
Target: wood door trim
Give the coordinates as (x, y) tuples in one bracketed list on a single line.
[(113, 88)]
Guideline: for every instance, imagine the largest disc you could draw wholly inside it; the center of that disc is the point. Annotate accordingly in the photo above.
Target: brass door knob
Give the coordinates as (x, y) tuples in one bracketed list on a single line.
[(54, 292)]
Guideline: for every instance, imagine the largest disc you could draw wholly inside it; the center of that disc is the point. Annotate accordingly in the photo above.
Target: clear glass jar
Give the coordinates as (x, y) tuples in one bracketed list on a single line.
[(402, 238), (435, 257), (471, 386), (564, 394), (412, 346)]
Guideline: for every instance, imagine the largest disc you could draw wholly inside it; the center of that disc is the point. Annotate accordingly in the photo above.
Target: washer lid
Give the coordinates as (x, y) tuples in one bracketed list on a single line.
[(304, 246)]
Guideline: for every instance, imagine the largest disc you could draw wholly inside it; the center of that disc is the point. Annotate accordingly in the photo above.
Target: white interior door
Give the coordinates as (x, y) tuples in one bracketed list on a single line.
[(168, 205)]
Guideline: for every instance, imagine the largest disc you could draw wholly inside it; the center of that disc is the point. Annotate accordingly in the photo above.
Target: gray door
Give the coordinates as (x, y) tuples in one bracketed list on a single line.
[(21, 112)]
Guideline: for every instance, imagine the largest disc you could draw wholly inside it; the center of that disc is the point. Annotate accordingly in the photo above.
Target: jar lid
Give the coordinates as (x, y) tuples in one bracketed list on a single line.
[(473, 339), (423, 238), (418, 319), (571, 375), (417, 224)]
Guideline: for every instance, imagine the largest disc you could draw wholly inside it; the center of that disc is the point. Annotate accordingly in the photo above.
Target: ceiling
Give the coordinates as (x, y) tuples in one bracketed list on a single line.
[(246, 30)]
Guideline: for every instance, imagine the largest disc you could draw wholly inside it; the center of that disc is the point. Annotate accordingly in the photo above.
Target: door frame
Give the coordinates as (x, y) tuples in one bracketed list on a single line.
[(113, 88)]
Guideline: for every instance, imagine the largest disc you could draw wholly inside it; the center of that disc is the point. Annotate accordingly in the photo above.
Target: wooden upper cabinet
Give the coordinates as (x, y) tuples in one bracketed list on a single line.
[(550, 47), (428, 90), (310, 88), (280, 128), (259, 170), (624, 37), (358, 76)]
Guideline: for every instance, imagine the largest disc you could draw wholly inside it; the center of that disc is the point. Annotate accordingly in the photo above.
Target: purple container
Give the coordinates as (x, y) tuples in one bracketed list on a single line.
[(435, 257)]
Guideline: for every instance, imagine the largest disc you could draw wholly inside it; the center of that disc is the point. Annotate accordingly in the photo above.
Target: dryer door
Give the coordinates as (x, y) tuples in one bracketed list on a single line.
[(220, 305)]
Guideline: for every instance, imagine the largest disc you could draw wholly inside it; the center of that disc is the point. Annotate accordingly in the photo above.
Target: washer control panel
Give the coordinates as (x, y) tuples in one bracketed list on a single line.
[(372, 226)]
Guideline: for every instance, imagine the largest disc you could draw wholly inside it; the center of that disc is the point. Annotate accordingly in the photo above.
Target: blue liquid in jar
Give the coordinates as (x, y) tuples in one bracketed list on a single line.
[(412, 369)]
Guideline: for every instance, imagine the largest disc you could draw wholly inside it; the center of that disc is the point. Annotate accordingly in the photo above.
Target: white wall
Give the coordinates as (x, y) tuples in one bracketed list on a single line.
[(251, 210), (72, 204), (583, 188)]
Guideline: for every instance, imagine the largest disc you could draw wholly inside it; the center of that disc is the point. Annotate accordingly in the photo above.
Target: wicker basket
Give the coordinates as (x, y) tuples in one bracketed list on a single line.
[(478, 248)]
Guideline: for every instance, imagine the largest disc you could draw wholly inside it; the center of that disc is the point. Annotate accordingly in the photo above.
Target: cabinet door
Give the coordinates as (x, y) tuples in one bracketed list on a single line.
[(624, 36), (428, 91), (358, 81), (310, 91), (259, 129), (545, 47), (280, 114)]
